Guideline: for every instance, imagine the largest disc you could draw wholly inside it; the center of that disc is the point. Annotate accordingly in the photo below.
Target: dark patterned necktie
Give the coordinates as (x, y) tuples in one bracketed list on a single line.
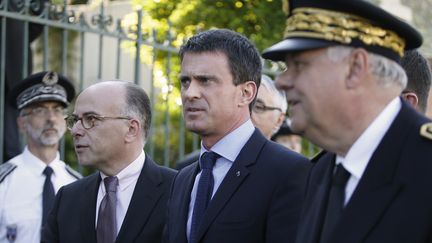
[(335, 204), (204, 192), (48, 194), (106, 229)]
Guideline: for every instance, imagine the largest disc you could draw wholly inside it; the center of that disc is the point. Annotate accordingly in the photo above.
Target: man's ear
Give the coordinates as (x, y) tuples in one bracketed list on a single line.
[(133, 131), (280, 119), (358, 67), (248, 92), (411, 98)]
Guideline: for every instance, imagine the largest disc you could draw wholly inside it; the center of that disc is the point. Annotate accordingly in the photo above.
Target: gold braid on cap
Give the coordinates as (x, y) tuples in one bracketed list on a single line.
[(340, 27)]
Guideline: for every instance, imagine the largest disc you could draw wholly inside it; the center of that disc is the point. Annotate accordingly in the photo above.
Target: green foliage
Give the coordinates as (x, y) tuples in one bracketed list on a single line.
[(261, 21)]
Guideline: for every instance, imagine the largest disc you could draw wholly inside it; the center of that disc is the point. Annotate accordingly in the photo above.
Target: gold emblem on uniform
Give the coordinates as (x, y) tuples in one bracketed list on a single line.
[(50, 78), (426, 130)]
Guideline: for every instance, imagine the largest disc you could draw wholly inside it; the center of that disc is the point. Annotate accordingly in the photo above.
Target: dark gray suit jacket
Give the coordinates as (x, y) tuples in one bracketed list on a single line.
[(73, 216)]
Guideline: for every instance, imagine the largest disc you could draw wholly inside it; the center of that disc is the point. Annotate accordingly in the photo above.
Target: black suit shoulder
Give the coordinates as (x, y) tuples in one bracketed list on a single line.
[(281, 165), (167, 172), (81, 183), (282, 156)]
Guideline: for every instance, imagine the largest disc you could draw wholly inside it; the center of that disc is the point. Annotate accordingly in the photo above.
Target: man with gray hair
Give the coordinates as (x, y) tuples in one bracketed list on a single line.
[(30, 180), (418, 72), (372, 183), (269, 109)]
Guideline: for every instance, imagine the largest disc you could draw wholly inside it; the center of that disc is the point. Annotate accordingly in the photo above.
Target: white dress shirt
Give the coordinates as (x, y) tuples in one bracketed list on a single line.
[(127, 179), (21, 195), (361, 151), (228, 148)]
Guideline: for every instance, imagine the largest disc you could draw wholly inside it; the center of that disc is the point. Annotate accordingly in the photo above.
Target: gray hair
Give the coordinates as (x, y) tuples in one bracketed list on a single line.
[(138, 106), (280, 97), (387, 71)]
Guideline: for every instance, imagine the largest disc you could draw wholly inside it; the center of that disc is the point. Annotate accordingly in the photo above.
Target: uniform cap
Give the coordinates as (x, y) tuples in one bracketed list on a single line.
[(313, 24), (43, 86)]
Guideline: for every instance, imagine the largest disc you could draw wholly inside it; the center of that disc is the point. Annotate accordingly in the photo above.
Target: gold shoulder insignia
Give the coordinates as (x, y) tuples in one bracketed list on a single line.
[(426, 130)]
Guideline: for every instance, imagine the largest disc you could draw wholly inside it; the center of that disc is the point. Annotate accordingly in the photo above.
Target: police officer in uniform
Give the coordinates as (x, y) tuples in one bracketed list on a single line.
[(29, 181), (372, 183)]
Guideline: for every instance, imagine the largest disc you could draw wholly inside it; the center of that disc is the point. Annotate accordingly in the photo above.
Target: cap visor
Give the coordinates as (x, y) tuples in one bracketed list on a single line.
[(278, 51)]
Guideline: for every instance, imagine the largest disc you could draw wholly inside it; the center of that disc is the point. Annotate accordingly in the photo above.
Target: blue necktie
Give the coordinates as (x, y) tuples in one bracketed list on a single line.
[(335, 204), (106, 228), (204, 192), (48, 194)]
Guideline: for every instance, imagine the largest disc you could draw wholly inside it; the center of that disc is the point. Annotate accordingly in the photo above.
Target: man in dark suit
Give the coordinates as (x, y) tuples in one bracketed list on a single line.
[(372, 183), (244, 188), (126, 200)]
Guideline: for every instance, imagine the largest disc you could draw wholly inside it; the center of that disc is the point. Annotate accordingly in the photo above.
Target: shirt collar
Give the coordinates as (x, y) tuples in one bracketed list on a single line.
[(129, 174), (361, 151), (230, 146), (38, 166)]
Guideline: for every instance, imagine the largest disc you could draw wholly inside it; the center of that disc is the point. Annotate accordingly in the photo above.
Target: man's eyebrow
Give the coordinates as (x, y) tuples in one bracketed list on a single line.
[(87, 113)]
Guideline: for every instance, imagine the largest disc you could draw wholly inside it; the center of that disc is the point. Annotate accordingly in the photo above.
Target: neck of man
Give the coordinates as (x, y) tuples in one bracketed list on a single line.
[(121, 161), (357, 121), (209, 140), (46, 153)]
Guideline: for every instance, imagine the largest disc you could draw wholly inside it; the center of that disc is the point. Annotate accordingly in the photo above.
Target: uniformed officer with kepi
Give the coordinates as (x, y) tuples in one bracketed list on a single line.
[(343, 80), (28, 182)]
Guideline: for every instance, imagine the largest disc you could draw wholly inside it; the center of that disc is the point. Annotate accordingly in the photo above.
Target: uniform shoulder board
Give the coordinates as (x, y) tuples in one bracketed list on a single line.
[(5, 170), (73, 172), (426, 130), (317, 156)]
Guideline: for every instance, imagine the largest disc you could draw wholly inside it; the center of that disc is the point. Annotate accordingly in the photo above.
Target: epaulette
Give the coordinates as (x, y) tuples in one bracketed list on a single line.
[(426, 130), (73, 173), (317, 156), (5, 170)]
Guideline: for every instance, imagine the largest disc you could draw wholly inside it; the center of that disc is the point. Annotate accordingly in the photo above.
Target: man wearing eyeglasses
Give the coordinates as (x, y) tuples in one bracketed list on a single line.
[(269, 109), (29, 181), (126, 200)]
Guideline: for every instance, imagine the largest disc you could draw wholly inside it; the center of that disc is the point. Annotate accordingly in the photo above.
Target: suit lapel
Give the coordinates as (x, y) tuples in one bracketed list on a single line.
[(144, 199), (88, 209), (377, 188), (181, 221), (313, 213), (233, 179)]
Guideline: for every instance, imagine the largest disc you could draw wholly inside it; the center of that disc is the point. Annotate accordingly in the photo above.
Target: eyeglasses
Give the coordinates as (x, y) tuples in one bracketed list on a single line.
[(41, 111), (259, 107), (88, 121)]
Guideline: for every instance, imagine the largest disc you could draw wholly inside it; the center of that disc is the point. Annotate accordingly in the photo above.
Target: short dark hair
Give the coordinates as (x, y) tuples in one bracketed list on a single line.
[(419, 76), (243, 58), (138, 103)]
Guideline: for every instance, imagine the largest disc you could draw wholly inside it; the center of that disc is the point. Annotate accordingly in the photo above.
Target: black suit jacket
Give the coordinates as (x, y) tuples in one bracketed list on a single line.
[(73, 216), (259, 199), (393, 200)]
